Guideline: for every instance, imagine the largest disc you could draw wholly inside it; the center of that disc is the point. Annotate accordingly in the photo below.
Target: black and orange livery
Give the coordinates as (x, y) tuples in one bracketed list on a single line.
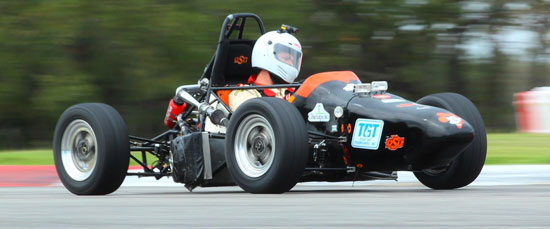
[(330, 129), (414, 136)]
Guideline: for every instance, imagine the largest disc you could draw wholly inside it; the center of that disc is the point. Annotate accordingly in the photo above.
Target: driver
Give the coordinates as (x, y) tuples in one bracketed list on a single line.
[(277, 57)]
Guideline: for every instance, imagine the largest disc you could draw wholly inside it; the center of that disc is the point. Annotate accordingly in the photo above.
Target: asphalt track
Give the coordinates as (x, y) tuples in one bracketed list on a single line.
[(501, 197)]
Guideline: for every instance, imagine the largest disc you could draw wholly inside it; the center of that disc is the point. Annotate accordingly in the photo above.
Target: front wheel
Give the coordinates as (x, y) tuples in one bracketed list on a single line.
[(266, 146), (467, 166), (91, 149)]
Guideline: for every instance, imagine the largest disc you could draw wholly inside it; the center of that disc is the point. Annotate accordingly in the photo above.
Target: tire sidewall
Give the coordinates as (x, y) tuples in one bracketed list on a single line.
[(96, 183), (282, 146), (460, 172)]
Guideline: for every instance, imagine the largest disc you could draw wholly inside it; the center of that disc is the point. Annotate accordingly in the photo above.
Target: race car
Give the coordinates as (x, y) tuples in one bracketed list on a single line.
[(333, 128)]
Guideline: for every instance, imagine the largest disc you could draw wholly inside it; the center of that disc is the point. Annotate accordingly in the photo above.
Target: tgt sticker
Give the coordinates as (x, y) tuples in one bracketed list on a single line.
[(367, 133)]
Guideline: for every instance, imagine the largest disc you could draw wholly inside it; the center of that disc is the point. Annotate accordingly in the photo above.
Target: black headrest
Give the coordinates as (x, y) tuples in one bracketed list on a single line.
[(234, 63), (239, 63)]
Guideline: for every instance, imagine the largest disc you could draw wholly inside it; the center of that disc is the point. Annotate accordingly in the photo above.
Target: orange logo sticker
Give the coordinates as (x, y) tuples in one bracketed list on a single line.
[(394, 142), (405, 105), (381, 96), (450, 118), (240, 60), (290, 98)]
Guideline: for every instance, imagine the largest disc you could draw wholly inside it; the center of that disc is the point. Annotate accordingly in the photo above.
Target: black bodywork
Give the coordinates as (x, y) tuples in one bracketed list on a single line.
[(428, 142)]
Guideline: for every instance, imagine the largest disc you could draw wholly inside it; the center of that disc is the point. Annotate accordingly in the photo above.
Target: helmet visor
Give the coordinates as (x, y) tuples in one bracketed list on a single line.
[(288, 55)]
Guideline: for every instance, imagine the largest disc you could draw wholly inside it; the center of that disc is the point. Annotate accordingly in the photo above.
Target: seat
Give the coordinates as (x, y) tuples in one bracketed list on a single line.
[(233, 64)]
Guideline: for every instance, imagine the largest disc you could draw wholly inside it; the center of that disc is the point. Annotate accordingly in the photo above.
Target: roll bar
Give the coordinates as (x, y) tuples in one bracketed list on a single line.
[(227, 29)]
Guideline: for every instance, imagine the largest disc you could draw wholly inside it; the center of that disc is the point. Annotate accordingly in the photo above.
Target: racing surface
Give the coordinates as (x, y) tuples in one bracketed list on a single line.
[(500, 197)]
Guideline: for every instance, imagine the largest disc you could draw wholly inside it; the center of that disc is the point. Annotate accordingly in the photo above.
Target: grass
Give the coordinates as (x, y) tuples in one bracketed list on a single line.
[(518, 148), (509, 148), (26, 157)]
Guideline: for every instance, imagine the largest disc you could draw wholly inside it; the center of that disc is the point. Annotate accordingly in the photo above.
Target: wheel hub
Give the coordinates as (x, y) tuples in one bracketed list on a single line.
[(83, 147), (79, 150), (254, 146), (259, 146)]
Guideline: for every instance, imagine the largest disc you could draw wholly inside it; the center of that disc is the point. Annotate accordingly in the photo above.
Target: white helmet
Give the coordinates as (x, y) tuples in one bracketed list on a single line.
[(279, 53)]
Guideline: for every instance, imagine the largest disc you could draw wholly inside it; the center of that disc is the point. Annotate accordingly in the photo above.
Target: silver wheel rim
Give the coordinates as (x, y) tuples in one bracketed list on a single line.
[(79, 150), (254, 146)]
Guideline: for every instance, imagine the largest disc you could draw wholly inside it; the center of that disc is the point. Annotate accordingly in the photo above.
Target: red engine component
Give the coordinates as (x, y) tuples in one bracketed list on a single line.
[(174, 109)]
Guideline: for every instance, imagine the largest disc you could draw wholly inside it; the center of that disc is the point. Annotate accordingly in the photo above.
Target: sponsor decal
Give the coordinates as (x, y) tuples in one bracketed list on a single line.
[(349, 87), (381, 96), (290, 98), (450, 118), (406, 105), (338, 111), (367, 133), (318, 114), (392, 100), (240, 60), (334, 128), (394, 142), (422, 107)]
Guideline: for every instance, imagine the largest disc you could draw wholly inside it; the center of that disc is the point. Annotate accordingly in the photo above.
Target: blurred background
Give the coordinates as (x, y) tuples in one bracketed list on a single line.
[(133, 54)]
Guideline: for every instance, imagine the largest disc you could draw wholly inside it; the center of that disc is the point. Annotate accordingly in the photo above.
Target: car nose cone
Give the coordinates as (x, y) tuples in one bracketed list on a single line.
[(444, 142)]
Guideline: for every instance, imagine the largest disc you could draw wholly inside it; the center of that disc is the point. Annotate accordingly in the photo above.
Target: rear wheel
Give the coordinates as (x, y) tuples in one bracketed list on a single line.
[(91, 149), (467, 166), (266, 146)]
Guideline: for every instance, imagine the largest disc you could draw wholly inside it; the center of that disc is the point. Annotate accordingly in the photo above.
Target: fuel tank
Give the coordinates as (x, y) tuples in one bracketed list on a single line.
[(383, 132)]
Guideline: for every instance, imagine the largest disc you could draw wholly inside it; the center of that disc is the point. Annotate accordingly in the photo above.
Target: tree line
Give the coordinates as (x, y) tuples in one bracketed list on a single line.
[(134, 54)]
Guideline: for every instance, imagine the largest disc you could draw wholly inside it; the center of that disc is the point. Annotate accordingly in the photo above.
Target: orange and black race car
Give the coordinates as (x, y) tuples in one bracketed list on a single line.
[(332, 128)]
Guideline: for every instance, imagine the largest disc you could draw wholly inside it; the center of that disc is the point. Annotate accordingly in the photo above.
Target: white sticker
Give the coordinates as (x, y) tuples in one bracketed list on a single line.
[(392, 100), (422, 107), (367, 133), (338, 111), (318, 114), (349, 87), (454, 120), (334, 128)]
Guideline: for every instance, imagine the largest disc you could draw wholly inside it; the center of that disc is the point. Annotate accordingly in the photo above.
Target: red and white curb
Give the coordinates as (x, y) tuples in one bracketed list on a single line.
[(491, 175), (33, 175)]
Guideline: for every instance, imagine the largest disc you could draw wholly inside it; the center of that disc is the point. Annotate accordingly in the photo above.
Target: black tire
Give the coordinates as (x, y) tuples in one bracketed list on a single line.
[(467, 166), (290, 148), (107, 144)]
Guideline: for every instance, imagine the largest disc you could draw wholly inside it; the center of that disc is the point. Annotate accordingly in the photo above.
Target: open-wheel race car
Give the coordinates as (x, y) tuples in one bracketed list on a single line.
[(332, 128)]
